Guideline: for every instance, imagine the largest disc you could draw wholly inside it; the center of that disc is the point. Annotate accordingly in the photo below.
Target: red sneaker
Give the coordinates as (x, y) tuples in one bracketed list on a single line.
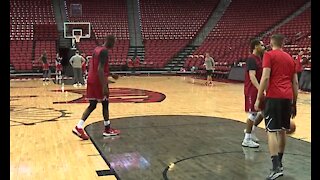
[(80, 132), (111, 132)]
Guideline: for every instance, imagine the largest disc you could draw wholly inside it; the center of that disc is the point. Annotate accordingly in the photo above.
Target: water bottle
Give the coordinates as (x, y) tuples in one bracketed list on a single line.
[(62, 87)]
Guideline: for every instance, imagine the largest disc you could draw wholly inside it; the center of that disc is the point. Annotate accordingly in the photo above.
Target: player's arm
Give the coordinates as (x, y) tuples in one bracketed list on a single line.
[(213, 64), (295, 87), (251, 67), (253, 79), (71, 60), (102, 61), (264, 82), (40, 58), (264, 79)]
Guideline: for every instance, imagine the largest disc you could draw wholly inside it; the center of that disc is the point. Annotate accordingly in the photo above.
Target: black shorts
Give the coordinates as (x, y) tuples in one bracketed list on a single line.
[(277, 114), (209, 72)]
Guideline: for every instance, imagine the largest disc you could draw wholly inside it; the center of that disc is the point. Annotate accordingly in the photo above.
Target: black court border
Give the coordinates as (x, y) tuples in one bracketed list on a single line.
[(164, 173)]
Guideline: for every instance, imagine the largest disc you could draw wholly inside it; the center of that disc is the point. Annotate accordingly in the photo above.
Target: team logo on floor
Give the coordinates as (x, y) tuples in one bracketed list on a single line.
[(120, 95), (34, 115)]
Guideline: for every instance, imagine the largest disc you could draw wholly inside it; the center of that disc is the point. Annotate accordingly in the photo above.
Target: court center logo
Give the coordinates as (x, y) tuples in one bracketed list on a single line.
[(120, 95), (34, 115)]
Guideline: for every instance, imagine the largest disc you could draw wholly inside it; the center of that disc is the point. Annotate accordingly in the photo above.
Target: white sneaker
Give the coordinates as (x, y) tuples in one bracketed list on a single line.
[(75, 85), (254, 138), (249, 143)]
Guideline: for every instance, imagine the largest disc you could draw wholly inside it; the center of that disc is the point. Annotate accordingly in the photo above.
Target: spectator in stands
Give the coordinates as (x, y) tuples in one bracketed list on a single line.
[(76, 62), (251, 85), (98, 89), (45, 66), (209, 65), (281, 98)]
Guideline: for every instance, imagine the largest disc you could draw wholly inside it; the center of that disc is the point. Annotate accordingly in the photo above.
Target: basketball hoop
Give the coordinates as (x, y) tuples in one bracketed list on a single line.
[(77, 38)]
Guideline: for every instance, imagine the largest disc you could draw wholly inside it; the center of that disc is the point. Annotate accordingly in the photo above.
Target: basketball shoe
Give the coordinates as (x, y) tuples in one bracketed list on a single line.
[(253, 136), (249, 143), (274, 174), (110, 132), (80, 133)]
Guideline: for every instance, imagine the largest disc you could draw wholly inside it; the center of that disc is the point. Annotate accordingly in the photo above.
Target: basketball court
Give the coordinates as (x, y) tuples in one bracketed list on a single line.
[(173, 127)]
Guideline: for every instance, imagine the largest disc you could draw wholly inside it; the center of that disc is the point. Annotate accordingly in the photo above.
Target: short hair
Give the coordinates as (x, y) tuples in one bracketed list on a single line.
[(110, 39), (278, 39), (77, 51), (253, 43)]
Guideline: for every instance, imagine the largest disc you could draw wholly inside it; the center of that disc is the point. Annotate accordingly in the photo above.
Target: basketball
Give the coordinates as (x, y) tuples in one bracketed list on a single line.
[(292, 127)]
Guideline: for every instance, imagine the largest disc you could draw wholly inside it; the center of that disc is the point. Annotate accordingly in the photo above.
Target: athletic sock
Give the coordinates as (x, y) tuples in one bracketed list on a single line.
[(247, 136), (80, 124), (275, 162), (280, 158), (106, 124)]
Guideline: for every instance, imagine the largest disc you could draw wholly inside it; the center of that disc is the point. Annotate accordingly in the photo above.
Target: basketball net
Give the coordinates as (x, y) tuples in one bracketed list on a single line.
[(77, 38)]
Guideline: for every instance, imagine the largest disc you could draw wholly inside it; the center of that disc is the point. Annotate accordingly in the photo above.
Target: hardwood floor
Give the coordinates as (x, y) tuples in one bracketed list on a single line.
[(43, 147)]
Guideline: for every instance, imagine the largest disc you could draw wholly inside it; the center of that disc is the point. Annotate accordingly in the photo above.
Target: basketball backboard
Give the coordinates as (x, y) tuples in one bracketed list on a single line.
[(70, 29)]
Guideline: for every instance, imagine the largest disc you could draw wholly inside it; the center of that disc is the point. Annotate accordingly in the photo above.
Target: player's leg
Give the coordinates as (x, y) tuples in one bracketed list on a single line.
[(286, 116), (74, 77), (108, 131), (77, 79), (78, 130), (247, 140), (46, 74), (256, 122), (84, 77), (59, 77), (212, 76), (81, 81), (273, 126), (208, 76)]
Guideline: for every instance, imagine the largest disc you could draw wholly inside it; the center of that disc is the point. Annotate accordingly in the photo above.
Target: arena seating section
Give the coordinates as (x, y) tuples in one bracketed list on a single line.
[(167, 27), (31, 21), (297, 33), (229, 41), (106, 17)]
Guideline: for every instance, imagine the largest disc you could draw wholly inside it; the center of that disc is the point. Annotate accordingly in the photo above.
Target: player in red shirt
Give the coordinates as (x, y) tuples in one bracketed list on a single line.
[(279, 72), (98, 88), (251, 84), (299, 67)]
